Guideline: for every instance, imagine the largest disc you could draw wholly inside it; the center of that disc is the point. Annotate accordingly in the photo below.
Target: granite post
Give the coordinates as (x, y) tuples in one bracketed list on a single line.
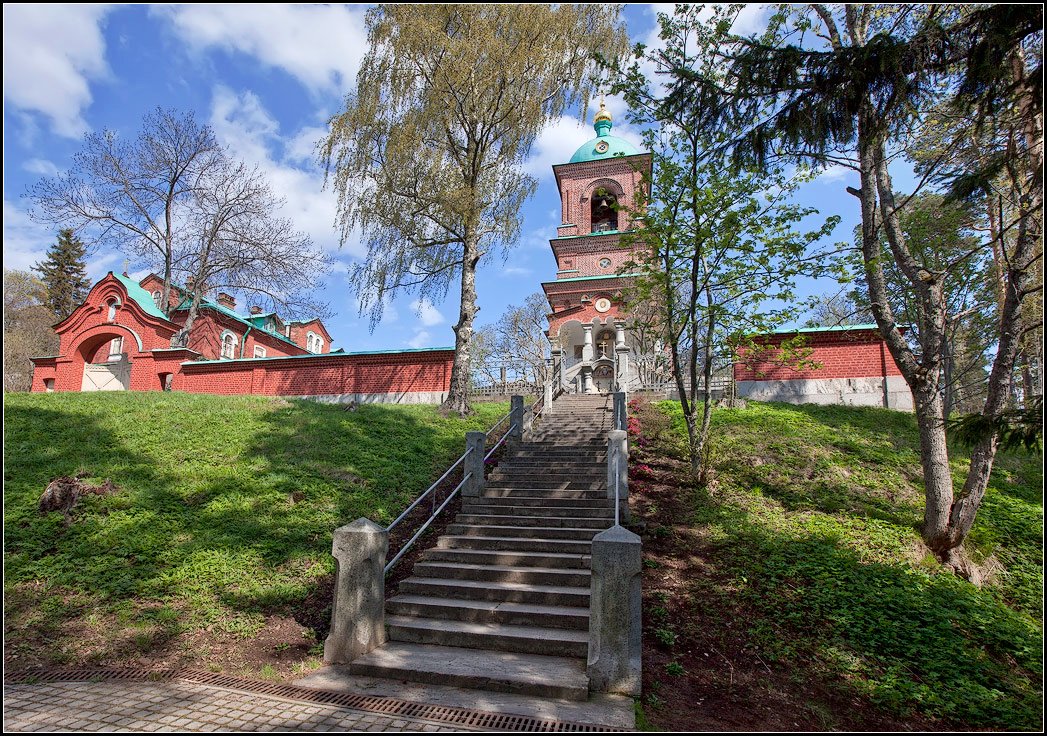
[(614, 661), (475, 443), (516, 420), (358, 610)]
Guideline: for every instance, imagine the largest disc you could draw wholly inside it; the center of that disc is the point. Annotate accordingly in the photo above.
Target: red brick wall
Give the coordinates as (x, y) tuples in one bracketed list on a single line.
[(336, 373), (578, 182), (206, 337), (851, 354)]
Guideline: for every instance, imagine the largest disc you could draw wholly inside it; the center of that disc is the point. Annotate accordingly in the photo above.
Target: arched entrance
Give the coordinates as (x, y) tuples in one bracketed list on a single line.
[(107, 366)]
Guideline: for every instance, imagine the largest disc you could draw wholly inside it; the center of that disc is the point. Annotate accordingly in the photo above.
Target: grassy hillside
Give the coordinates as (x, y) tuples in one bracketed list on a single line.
[(215, 548), (794, 591)]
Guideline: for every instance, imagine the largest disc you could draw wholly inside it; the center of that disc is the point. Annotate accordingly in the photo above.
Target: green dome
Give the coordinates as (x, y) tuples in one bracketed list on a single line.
[(595, 149)]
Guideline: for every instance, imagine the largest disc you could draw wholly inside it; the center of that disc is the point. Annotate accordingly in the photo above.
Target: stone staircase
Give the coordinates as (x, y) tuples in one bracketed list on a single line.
[(502, 601)]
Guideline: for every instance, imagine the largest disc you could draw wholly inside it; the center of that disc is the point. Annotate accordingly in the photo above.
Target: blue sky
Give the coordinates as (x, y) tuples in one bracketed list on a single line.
[(267, 78)]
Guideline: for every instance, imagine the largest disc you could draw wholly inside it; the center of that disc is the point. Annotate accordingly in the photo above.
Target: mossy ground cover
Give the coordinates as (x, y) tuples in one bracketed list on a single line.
[(794, 587), (215, 549)]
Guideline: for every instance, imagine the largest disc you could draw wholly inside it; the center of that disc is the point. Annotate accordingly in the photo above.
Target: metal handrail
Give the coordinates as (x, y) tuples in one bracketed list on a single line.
[(432, 488), (428, 490), (425, 526), (617, 459), (499, 442), (495, 425)]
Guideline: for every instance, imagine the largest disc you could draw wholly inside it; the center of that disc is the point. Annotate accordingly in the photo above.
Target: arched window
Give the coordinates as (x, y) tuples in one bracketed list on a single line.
[(604, 212), (228, 345), (313, 342), (158, 299), (111, 316), (116, 349)]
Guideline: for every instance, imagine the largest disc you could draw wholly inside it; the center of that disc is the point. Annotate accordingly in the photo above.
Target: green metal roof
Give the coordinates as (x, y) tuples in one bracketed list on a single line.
[(615, 146), (838, 328), (593, 278), (139, 296), (206, 303), (592, 235)]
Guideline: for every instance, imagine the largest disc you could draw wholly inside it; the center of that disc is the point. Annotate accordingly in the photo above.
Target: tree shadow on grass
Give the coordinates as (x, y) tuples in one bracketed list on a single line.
[(239, 531), (903, 638)]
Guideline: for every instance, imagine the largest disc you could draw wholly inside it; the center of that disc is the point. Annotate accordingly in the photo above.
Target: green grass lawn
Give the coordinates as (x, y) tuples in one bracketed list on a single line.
[(222, 519), (805, 559)]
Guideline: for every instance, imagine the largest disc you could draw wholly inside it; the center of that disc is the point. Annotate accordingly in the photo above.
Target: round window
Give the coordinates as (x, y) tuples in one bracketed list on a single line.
[(605, 263), (602, 304)]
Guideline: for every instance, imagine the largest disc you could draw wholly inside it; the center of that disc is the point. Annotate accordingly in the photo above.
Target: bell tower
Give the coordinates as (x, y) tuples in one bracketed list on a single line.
[(588, 326)]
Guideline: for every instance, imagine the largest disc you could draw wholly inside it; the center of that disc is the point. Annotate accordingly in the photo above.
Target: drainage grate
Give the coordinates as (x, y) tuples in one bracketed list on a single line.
[(385, 706)]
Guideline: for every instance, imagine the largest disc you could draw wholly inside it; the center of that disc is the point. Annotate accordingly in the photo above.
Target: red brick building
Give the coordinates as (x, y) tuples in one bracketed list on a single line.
[(119, 339), (855, 368)]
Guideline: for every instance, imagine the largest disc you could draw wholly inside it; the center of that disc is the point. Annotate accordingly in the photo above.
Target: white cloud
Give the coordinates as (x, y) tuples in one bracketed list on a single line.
[(242, 123), (51, 54), (516, 271), (427, 314), (835, 173), (558, 141), (25, 242), (421, 339), (40, 166), (322, 46)]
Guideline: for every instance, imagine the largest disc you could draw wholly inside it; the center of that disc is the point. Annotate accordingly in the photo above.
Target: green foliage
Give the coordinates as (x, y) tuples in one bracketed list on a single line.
[(1016, 428), (675, 669), (724, 249), (27, 328), (812, 526), (225, 505), (665, 636), (64, 274)]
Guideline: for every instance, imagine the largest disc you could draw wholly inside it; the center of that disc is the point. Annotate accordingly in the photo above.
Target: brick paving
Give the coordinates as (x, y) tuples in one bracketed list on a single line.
[(183, 706)]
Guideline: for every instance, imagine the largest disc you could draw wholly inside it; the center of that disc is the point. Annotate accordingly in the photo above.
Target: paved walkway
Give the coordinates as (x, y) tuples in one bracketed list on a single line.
[(183, 706)]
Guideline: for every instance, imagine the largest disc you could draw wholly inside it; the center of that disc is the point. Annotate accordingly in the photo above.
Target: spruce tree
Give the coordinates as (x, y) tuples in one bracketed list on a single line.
[(64, 274)]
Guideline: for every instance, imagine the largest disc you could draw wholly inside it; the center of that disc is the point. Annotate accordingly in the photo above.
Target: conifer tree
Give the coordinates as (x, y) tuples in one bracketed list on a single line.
[(64, 274)]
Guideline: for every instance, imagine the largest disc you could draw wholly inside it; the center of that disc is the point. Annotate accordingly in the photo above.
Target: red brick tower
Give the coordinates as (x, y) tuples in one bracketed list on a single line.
[(587, 324)]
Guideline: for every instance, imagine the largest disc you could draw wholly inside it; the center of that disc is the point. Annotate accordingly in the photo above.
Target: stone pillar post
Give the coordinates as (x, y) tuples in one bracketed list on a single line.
[(619, 410), (622, 362), (587, 344), (475, 443), (619, 334), (618, 470), (516, 420), (358, 610), (614, 664)]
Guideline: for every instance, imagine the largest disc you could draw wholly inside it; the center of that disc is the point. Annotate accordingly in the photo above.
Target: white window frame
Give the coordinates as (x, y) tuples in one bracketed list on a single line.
[(158, 298), (113, 305), (232, 346), (259, 351), (310, 341), (116, 350)]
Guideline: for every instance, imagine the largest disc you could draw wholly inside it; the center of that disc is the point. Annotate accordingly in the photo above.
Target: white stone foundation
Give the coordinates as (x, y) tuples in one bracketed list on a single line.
[(406, 397), (891, 392)]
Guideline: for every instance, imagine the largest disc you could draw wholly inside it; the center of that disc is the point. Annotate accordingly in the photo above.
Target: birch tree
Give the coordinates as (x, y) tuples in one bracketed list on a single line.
[(426, 156)]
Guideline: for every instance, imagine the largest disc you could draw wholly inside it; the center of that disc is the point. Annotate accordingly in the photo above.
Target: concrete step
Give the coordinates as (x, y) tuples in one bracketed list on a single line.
[(490, 612), (566, 577), (507, 558), (505, 491), (525, 674), (533, 532), (541, 502), (570, 483), (559, 512), (497, 637), (515, 544), (569, 522), (540, 595)]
